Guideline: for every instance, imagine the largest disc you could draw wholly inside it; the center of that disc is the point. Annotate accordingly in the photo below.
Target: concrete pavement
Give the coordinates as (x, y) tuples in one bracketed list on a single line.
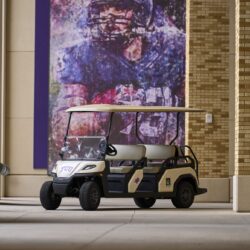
[(119, 224)]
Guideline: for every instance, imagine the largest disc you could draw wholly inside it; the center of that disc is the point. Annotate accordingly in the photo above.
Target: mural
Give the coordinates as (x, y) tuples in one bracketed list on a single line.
[(120, 52)]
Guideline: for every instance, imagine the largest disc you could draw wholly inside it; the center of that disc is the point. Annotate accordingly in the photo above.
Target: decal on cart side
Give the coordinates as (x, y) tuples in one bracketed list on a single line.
[(135, 181)]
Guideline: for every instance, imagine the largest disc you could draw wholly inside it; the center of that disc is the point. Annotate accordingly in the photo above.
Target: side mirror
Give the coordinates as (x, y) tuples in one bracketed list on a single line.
[(4, 169), (63, 150)]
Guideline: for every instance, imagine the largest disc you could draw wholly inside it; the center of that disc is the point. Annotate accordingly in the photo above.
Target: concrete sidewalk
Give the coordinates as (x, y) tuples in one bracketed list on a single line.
[(119, 224)]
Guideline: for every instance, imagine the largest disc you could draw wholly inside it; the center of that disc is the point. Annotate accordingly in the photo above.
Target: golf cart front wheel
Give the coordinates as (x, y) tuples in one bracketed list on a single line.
[(184, 196), (145, 202), (49, 200), (90, 196)]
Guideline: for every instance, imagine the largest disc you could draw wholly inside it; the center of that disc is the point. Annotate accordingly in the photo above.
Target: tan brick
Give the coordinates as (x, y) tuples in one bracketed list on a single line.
[(242, 140), (209, 84)]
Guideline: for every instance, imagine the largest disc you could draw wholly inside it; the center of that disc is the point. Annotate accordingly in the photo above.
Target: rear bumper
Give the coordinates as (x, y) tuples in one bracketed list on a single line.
[(201, 191)]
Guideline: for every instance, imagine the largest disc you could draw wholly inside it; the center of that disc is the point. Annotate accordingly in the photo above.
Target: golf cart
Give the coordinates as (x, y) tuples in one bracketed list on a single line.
[(91, 167)]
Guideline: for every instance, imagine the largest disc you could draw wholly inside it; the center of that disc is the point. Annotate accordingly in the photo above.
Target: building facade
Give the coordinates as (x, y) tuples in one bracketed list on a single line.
[(218, 71)]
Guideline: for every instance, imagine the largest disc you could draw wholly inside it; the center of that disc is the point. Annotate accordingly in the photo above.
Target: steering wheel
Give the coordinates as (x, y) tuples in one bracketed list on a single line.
[(111, 150)]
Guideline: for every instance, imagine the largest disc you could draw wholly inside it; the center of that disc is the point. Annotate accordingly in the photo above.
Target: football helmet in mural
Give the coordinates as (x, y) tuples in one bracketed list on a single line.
[(119, 20)]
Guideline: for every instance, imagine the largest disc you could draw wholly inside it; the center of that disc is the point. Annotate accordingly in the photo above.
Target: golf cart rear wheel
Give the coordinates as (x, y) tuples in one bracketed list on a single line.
[(90, 196), (184, 196), (48, 198), (145, 202)]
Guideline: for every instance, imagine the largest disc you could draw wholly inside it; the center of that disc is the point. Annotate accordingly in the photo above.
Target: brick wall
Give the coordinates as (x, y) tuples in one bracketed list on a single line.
[(242, 127), (209, 84)]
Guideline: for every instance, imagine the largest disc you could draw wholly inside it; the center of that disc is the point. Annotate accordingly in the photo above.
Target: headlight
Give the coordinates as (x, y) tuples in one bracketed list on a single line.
[(54, 170), (88, 167)]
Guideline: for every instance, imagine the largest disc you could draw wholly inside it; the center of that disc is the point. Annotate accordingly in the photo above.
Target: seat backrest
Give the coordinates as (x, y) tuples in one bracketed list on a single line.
[(160, 152), (128, 152)]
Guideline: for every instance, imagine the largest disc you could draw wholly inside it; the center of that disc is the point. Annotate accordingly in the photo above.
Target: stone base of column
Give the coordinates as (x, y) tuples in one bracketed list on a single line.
[(241, 193)]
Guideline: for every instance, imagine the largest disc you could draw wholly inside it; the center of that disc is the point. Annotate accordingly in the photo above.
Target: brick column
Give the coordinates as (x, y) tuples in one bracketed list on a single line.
[(208, 88), (208, 85), (241, 180)]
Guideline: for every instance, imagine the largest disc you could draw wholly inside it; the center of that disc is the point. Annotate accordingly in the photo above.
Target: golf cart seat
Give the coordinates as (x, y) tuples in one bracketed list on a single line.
[(156, 155), (126, 153)]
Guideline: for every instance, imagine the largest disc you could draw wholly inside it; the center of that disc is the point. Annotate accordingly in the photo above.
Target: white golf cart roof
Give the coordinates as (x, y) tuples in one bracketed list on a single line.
[(127, 108)]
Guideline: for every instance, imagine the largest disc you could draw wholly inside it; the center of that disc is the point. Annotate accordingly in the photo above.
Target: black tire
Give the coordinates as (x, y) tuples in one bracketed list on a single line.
[(145, 202), (184, 196), (90, 196), (49, 200)]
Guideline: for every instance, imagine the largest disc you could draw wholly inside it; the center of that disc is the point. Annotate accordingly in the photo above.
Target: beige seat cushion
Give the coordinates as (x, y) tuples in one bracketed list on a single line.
[(128, 152), (160, 152), (120, 170), (156, 154)]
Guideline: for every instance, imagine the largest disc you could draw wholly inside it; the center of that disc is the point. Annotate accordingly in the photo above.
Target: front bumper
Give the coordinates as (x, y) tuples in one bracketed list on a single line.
[(61, 186), (69, 187)]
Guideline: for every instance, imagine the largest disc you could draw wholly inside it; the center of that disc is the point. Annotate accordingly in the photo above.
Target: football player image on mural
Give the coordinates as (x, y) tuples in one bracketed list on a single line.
[(117, 52)]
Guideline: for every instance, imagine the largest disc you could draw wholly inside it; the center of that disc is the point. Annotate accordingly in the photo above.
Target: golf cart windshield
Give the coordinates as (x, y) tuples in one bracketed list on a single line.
[(84, 140), (84, 148)]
